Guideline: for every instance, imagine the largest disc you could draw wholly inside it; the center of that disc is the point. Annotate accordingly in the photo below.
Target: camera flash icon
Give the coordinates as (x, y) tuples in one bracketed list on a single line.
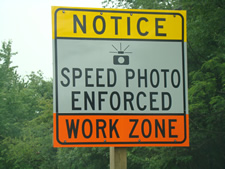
[(120, 59)]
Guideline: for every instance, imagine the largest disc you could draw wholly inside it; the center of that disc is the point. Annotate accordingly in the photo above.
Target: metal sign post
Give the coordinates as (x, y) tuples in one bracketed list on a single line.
[(118, 158)]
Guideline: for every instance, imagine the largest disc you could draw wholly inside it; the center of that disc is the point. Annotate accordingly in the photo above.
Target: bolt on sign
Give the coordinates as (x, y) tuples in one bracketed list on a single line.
[(120, 77)]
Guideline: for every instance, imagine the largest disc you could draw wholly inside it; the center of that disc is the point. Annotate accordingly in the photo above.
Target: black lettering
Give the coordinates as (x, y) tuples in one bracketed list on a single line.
[(102, 127), (71, 128), (128, 100), (100, 99), (103, 24), (66, 77), (113, 72), (138, 101), (178, 78), (112, 127), (76, 20), (89, 100), (88, 77), (165, 77), (157, 78), (83, 128), (144, 77), (132, 130), (157, 26), (74, 99), (138, 26), (118, 101), (98, 76), (131, 76), (76, 76), (116, 23), (153, 100), (143, 128), (172, 127), (128, 25), (164, 107), (161, 128)]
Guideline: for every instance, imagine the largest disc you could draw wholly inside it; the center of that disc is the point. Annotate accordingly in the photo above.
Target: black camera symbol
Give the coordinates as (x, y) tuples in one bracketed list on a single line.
[(121, 60)]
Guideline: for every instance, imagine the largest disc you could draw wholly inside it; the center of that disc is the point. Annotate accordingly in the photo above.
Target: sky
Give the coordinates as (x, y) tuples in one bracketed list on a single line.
[(28, 24)]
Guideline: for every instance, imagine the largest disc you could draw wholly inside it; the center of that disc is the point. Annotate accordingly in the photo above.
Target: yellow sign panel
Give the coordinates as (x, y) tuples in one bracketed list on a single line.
[(119, 24)]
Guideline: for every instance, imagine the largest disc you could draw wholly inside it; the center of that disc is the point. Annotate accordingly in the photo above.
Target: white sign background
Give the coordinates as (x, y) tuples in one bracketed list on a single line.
[(77, 53)]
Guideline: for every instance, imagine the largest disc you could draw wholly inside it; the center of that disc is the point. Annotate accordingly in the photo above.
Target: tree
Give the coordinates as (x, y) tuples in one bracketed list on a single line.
[(206, 61), (8, 79), (25, 116), (26, 105), (27, 125), (83, 158), (33, 148)]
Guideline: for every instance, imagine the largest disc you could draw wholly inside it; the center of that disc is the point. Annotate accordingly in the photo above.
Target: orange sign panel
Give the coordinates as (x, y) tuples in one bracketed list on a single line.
[(120, 130)]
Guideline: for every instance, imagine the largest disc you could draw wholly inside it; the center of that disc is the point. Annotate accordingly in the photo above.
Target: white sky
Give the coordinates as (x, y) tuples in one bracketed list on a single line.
[(28, 24)]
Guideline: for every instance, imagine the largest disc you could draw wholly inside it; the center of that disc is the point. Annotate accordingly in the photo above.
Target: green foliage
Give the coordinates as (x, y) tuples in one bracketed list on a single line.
[(206, 82), (135, 157), (83, 158), (25, 117), (206, 67), (26, 104), (141, 4), (27, 124), (33, 149)]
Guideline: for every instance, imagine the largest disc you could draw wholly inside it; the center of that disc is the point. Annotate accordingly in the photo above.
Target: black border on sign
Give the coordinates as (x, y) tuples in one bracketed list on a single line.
[(73, 114)]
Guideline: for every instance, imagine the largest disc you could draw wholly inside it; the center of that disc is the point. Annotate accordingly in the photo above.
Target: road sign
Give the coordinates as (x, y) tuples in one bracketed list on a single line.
[(120, 77)]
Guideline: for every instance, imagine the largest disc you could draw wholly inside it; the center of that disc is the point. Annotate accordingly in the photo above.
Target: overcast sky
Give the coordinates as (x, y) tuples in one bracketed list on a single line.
[(28, 24)]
